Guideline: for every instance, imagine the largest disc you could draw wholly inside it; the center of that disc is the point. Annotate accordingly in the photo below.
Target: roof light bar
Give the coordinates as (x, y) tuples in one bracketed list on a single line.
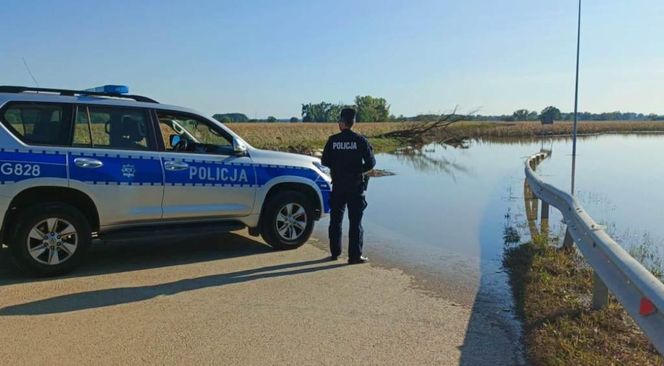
[(116, 91), (111, 89)]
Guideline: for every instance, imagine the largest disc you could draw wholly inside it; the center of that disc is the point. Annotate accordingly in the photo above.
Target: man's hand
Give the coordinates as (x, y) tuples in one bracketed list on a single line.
[(365, 181)]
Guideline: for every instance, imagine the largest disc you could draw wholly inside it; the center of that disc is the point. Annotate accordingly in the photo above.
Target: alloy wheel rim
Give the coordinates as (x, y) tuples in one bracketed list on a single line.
[(52, 241), (291, 221)]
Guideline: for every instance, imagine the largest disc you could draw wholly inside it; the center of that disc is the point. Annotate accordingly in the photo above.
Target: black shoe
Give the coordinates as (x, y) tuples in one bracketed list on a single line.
[(334, 258), (360, 260)]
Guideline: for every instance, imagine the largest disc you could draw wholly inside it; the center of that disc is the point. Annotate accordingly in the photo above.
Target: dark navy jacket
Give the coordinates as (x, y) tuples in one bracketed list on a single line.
[(348, 155)]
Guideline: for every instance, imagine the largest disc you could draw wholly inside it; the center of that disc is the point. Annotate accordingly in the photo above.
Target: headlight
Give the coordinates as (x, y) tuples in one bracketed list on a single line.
[(322, 168)]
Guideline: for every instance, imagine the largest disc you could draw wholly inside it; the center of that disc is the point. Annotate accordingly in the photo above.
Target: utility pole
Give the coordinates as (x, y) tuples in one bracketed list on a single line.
[(576, 97)]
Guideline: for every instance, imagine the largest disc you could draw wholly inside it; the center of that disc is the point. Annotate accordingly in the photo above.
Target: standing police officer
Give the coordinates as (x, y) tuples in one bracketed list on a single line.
[(349, 156)]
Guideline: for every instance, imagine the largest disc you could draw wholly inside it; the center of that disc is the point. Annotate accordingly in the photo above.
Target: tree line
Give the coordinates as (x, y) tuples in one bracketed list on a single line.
[(375, 109), (368, 108), (555, 114)]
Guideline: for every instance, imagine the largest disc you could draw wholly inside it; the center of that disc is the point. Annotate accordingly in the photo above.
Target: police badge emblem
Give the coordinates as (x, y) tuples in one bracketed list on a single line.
[(128, 170)]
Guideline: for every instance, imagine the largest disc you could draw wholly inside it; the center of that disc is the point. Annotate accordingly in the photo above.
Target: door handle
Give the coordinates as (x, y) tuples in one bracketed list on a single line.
[(88, 163), (175, 165)]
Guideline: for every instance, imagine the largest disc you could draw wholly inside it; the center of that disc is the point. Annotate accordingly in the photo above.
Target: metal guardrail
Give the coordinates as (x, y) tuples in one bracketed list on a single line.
[(640, 293)]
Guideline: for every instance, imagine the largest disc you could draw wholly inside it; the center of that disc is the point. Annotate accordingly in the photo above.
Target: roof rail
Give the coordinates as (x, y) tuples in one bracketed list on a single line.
[(69, 92)]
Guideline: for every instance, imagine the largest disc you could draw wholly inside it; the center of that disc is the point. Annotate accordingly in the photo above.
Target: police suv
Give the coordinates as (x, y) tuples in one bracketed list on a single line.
[(101, 163)]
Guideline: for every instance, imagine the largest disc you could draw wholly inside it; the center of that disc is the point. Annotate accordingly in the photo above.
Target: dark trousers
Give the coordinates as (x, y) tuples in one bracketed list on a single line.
[(356, 205)]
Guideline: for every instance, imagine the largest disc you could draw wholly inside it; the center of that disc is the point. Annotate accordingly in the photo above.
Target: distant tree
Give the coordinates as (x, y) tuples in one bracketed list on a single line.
[(520, 115), (533, 116), (315, 112), (321, 112), (294, 119), (334, 112), (224, 119), (271, 119), (230, 117), (550, 114), (371, 109)]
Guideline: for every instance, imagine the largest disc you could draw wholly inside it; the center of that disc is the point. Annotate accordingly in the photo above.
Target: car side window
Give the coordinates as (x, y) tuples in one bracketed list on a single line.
[(82, 132), (112, 128), (39, 123), (187, 133)]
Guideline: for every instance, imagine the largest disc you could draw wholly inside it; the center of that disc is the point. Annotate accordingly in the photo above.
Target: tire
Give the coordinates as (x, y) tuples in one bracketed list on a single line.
[(281, 233), (50, 239)]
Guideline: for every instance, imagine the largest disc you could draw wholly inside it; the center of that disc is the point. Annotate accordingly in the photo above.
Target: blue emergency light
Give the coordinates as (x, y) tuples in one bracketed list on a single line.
[(110, 89)]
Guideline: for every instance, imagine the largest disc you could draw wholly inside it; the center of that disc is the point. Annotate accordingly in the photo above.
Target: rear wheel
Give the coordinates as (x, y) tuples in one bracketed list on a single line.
[(287, 220), (50, 239)]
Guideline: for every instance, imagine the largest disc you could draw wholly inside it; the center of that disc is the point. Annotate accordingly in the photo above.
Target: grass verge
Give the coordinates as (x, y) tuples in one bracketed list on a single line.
[(552, 290)]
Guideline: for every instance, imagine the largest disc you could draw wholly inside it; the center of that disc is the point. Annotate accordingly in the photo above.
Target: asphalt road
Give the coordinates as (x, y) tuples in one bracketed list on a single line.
[(230, 300)]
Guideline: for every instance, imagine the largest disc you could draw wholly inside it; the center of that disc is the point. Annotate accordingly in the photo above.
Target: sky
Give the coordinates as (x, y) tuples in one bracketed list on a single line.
[(263, 58)]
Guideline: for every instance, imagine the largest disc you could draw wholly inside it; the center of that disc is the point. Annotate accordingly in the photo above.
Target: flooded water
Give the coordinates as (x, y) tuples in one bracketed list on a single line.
[(443, 215)]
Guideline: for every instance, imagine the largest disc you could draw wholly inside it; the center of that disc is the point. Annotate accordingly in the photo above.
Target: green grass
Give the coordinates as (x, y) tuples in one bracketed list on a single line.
[(552, 290), (650, 256)]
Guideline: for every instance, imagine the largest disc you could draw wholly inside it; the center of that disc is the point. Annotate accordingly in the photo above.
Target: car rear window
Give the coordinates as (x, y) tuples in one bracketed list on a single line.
[(39, 123)]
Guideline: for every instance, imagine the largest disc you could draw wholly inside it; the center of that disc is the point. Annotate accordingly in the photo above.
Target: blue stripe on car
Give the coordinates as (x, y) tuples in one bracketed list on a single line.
[(18, 165), (118, 169), (212, 173), (126, 169)]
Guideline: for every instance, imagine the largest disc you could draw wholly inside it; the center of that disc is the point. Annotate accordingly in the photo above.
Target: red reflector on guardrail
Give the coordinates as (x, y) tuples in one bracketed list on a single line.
[(647, 307)]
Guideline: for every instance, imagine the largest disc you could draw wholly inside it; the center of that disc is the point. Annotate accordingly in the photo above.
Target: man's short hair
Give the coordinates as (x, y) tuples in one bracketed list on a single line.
[(347, 116)]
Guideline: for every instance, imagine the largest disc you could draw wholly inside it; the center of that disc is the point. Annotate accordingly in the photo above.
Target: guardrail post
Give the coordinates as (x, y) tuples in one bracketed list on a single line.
[(600, 293), (568, 242), (545, 211), (544, 219)]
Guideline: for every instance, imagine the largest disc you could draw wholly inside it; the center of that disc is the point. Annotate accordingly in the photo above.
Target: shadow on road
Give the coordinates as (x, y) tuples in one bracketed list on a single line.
[(106, 258), (125, 295)]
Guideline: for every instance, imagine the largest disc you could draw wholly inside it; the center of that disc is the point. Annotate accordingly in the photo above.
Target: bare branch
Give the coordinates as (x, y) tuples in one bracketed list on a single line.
[(415, 131)]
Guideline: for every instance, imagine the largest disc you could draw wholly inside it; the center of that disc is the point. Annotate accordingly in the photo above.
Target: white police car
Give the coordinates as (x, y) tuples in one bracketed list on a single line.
[(75, 165)]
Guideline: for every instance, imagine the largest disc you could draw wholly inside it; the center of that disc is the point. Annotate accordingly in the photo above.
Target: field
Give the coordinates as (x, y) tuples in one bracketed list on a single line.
[(309, 137)]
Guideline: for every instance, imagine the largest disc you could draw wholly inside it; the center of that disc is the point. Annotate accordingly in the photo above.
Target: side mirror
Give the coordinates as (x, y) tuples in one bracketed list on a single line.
[(174, 140), (239, 147)]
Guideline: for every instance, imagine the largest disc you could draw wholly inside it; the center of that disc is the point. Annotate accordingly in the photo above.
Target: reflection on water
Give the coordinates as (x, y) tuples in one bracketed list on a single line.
[(428, 160), (447, 212)]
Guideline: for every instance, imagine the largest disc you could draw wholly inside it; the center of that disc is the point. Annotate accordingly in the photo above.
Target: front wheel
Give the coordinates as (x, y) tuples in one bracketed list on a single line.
[(287, 220), (50, 239)]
